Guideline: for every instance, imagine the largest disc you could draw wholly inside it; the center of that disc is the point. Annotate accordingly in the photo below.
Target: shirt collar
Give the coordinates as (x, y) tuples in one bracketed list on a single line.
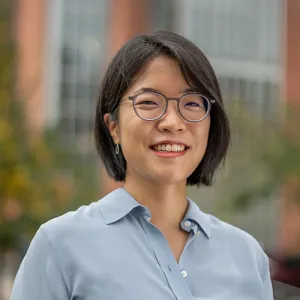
[(119, 203), (116, 205), (194, 213)]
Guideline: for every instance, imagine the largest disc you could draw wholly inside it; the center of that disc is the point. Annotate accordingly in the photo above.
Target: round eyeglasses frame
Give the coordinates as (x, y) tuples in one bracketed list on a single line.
[(209, 102)]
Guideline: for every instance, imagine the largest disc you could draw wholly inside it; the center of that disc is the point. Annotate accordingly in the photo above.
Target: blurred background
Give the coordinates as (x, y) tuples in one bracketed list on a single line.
[(52, 56)]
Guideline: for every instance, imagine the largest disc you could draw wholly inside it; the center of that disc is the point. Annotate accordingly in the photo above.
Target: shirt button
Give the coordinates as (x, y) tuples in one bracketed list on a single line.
[(184, 274), (187, 223)]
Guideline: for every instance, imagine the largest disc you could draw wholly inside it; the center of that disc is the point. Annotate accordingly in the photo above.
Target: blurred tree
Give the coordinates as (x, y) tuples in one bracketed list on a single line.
[(39, 177), (264, 157), (264, 166)]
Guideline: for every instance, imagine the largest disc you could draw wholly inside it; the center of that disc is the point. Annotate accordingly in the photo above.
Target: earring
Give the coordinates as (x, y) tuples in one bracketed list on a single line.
[(117, 149)]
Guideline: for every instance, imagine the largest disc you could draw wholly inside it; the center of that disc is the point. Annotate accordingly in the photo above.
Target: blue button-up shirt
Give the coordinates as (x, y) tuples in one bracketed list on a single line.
[(110, 250)]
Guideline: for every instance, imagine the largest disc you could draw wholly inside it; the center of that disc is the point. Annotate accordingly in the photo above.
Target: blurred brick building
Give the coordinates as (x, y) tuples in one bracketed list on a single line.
[(64, 46)]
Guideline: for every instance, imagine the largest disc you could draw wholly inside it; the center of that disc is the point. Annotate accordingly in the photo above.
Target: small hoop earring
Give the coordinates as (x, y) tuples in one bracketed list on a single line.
[(117, 149)]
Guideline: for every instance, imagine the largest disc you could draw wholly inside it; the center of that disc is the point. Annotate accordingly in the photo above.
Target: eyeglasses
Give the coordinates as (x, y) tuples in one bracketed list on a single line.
[(150, 106)]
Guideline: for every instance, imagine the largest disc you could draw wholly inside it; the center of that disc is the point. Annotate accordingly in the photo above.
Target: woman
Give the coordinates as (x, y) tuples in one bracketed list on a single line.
[(160, 125)]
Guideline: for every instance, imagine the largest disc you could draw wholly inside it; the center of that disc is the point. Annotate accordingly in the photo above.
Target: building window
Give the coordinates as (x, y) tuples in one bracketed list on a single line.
[(82, 56), (239, 29), (242, 40), (162, 15)]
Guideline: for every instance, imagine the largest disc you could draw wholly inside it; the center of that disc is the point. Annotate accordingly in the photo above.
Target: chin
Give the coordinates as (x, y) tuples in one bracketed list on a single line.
[(168, 178)]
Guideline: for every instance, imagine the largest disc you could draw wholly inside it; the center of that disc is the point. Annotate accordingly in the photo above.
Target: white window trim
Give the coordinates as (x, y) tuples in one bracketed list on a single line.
[(251, 70), (52, 69)]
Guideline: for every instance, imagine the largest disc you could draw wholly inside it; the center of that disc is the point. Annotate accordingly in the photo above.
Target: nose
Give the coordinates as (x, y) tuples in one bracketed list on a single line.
[(171, 120)]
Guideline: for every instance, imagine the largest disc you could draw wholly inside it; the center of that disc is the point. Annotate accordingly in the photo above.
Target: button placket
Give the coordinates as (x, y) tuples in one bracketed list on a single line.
[(166, 261)]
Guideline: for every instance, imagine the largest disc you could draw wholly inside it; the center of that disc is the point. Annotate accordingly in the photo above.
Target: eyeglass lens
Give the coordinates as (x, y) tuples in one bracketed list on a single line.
[(150, 106)]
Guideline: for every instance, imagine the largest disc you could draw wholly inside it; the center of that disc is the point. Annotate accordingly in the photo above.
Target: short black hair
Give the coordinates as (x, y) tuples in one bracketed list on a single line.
[(195, 67)]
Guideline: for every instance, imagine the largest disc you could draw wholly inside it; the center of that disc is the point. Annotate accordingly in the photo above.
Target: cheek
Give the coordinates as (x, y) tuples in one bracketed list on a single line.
[(127, 122), (201, 132), (201, 135), (133, 131)]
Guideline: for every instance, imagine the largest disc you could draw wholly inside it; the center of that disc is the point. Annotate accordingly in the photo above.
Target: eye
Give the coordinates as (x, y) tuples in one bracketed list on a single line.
[(147, 102), (195, 104)]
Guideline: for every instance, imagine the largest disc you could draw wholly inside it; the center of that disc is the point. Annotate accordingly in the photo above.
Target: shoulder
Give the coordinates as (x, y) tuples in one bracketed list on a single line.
[(238, 242), (232, 233), (74, 225)]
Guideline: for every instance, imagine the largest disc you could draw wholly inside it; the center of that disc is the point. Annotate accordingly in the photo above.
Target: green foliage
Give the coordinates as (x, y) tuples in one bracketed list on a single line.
[(40, 178), (264, 157)]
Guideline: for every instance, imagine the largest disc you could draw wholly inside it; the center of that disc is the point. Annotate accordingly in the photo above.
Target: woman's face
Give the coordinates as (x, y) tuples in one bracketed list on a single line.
[(137, 137)]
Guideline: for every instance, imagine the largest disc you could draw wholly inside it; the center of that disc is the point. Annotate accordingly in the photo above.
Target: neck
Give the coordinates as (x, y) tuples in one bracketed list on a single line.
[(167, 203)]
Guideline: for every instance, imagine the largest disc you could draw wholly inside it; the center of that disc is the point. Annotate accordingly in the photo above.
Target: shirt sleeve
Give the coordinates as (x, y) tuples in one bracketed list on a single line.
[(39, 275), (268, 288)]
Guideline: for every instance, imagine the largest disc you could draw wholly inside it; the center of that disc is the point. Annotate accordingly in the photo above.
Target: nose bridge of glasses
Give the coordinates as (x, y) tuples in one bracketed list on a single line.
[(175, 105), (173, 98)]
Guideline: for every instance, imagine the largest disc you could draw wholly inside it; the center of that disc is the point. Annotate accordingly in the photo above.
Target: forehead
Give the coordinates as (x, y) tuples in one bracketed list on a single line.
[(161, 64), (162, 73)]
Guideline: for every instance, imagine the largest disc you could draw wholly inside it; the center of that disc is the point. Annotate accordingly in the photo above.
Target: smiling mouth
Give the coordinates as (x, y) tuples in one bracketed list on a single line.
[(169, 148)]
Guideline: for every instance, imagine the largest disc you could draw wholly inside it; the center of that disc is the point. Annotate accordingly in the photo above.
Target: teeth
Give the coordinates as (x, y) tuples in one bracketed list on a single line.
[(169, 148)]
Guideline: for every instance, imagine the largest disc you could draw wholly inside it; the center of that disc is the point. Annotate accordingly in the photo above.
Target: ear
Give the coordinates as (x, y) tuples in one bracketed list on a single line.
[(113, 128)]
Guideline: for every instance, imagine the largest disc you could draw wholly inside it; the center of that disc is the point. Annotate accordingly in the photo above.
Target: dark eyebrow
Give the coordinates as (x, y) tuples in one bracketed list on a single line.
[(146, 89), (191, 90), (151, 90)]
